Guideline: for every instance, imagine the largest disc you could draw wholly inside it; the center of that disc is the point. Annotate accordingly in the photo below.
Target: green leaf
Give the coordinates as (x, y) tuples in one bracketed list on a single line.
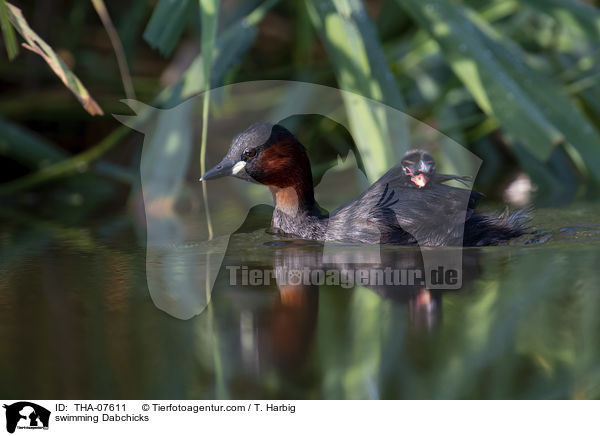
[(10, 40), (497, 93), (26, 147), (167, 24), (230, 46), (68, 167), (572, 13), (39, 46), (360, 67), (530, 106), (209, 18)]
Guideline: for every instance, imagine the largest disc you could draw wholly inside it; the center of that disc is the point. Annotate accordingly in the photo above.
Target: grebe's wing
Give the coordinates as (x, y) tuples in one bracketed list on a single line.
[(466, 181), (432, 217), (441, 178)]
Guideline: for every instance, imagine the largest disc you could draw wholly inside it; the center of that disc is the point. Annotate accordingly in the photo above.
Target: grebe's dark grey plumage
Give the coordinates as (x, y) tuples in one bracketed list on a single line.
[(389, 211)]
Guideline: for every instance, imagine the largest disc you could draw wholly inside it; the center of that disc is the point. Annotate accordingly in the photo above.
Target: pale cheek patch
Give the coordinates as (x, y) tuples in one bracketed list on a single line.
[(238, 167)]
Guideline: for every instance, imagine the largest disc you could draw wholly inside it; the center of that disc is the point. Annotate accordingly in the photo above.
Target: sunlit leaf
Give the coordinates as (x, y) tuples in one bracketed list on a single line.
[(530, 106), (495, 90), (39, 46), (360, 66)]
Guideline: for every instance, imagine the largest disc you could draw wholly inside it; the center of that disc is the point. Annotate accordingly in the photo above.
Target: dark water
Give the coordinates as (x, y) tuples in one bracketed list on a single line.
[(77, 321)]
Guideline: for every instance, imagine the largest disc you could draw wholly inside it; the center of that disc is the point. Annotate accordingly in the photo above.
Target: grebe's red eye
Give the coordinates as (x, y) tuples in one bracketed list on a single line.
[(248, 153)]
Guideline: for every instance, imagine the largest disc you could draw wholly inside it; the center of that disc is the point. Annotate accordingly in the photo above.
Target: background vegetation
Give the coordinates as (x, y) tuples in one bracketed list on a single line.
[(515, 81)]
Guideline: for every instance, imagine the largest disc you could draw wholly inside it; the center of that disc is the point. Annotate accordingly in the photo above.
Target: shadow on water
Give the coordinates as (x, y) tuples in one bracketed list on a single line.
[(77, 322)]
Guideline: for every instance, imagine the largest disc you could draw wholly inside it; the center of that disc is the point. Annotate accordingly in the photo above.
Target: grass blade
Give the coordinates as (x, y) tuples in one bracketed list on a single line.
[(209, 18), (10, 40), (230, 46), (117, 47), (360, 67), (39, 46)]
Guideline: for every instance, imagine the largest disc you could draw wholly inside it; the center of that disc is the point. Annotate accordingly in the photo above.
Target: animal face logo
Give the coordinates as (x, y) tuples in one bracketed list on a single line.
[(26, 415), (183, 258)]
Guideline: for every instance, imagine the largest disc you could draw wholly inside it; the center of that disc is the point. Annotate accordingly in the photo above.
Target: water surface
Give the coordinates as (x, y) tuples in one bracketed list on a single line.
[(77, 321)]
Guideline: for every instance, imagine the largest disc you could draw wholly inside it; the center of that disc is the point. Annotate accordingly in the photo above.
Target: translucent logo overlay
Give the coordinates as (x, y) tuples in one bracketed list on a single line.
[(351, 142)]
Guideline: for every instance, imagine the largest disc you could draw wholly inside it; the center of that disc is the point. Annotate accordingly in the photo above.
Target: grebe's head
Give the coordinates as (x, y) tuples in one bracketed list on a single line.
[(267, 154), (418, 166)]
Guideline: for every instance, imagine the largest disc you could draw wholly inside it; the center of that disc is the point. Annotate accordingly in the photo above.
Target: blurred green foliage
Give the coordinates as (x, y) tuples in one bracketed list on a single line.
[(514, 81)]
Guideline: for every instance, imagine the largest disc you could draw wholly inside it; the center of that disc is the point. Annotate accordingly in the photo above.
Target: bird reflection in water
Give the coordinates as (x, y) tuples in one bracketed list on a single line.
[(277, 327)]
